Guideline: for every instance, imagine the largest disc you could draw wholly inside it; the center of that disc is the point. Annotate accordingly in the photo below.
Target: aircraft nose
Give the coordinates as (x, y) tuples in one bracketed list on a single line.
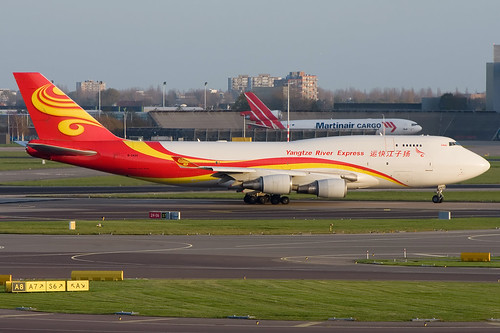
[(418, 128), (484, 165), (479, 165)]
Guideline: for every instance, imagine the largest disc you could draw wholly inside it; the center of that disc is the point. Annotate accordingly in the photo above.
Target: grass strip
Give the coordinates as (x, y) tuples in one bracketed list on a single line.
[(436, 262), (276, 299), (245, 227), (20, 160)]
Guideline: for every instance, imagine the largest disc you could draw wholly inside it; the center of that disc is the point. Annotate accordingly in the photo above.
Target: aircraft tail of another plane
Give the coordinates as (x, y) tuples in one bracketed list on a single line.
[(263, 116), (55, 115)]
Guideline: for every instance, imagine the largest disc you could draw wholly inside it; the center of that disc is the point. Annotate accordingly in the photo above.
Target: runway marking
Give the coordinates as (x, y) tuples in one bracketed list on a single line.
[(337, 256), (431, 255), (494, 324), (312, 323), (133, 320), (77, 257), (316, 259), (25, 315), (336, 241), (474, 237)]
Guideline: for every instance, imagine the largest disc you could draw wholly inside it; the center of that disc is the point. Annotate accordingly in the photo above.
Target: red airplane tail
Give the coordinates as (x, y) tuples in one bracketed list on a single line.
[(55, 115), (261, 113)]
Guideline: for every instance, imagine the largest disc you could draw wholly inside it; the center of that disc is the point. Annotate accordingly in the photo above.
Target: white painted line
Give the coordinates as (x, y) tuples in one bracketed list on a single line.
[(312, 323), (25, 315), (431, 255), (133, 321), (474, 238), (77, 257)]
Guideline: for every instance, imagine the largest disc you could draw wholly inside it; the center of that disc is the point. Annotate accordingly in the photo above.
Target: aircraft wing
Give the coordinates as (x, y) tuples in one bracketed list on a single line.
[(239, 175), (236, 170), (300, 177)]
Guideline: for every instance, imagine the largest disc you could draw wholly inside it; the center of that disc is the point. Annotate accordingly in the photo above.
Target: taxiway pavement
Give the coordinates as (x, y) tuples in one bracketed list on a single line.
[(22, 321), (65, 208), (254, 256)]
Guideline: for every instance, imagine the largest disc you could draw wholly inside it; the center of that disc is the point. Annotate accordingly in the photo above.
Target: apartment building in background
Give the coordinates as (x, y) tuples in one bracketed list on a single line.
[(301, 84)]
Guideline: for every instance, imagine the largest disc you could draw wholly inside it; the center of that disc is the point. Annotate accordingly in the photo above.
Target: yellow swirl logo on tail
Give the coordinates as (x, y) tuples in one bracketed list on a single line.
[(51, 100)]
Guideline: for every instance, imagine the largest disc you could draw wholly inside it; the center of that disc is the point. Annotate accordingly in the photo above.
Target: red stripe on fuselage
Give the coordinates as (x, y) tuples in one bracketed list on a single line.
[(116, 157)]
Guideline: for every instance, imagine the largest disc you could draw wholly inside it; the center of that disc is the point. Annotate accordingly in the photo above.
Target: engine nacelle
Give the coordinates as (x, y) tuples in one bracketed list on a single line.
[(325, 188), (272, 184)]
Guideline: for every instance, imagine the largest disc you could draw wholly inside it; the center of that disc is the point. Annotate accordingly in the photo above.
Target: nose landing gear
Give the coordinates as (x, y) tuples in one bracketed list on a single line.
[(438, 197)]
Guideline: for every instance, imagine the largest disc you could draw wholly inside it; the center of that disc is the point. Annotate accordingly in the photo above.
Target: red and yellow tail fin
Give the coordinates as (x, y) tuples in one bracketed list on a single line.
[(55, 115)]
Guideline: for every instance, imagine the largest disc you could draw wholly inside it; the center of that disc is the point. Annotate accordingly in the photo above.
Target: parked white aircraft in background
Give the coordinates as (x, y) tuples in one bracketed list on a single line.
[(265, 171), (264, 117)]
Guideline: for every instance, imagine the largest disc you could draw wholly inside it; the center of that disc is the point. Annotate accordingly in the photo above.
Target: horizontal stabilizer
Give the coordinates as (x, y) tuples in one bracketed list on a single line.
[(21, 143), (56, 150)]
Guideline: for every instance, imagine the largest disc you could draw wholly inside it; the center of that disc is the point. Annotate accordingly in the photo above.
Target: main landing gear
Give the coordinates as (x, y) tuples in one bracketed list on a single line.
[(438, 198), (274, 199)]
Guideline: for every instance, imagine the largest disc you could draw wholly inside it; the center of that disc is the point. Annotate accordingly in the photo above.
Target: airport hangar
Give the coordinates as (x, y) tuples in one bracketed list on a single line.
[(226, 124)]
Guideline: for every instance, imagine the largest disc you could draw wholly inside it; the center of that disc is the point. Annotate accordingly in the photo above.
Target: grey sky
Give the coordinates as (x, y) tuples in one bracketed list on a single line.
[(353, 43)]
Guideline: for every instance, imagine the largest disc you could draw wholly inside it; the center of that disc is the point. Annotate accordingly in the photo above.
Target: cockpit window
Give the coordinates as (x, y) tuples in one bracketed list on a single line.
[(454, 143)]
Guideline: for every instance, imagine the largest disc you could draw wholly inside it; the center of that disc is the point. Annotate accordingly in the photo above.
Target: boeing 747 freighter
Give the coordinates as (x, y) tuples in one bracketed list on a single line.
[(264, 171)]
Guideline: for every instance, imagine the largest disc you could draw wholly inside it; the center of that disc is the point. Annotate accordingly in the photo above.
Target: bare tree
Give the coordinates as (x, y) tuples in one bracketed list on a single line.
[(386, 95), (19, 125), (110, 97)]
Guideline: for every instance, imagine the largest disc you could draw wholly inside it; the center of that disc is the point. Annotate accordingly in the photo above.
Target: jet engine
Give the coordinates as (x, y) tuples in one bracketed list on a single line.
[(325, 188), (272, 184)]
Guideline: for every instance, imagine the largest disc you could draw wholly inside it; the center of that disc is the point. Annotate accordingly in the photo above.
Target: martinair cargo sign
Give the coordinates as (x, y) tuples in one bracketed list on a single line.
[(351, 125)]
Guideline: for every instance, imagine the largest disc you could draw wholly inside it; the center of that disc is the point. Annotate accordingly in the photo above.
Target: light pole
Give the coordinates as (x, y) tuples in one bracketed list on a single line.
[(206, 96), (99, 98), (8, 126), (244, 127), (164, 85), (288, 112), (124, 123)]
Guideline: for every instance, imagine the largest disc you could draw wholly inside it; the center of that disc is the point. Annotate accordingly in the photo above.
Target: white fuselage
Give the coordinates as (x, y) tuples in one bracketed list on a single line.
[(376, 161), (389, 126)]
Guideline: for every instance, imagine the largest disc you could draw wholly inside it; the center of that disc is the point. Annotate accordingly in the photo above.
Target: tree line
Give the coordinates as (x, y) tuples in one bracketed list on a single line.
[(216, 100)]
